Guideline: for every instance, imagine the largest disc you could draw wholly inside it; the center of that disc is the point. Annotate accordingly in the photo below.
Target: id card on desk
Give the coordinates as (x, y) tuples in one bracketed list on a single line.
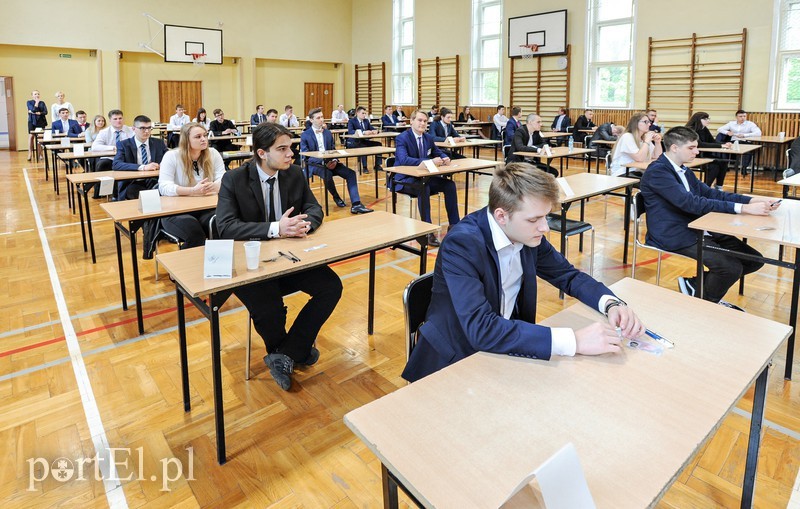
[(218, 259)]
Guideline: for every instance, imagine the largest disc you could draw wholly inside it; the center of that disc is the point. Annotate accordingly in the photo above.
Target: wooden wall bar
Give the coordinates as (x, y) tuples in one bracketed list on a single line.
[(438, 82), (371, 87)]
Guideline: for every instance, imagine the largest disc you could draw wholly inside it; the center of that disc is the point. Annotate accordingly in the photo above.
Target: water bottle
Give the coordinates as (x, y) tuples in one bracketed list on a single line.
[(736, 145), (571, 144)]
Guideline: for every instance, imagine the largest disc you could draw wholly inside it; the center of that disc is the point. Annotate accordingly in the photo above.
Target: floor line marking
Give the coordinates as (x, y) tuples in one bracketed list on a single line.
[(113, 489)]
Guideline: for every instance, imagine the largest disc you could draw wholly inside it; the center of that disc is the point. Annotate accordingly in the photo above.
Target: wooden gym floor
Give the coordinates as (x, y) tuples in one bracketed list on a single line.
[(286, 449)]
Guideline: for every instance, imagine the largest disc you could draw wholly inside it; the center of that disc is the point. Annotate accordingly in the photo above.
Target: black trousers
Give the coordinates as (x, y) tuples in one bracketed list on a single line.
[(723, 270), (715, 173), (191, 228), (264, 301)]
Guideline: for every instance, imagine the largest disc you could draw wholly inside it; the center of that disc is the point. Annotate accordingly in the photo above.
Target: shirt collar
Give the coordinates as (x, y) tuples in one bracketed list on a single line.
[(679, 170), (262, 175), (499, 238)]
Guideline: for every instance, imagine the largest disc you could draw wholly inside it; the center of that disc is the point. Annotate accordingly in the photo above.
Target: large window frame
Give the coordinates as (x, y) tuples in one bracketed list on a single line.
[(485, 77), (599, 73), (785, 67), (403, 52)]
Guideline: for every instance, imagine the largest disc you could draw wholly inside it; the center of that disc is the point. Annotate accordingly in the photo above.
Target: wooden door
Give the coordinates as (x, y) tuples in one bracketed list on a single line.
[(319, 95), (172, 93), (12, 125)]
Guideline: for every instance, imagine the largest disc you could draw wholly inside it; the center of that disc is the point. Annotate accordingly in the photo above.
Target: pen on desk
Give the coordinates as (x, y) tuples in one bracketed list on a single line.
[(281, 253), (294, 256), (661, 339)]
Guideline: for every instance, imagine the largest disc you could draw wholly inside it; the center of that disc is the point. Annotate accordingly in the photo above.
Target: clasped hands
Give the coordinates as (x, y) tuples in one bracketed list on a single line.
[(203, 188), (295, 226)]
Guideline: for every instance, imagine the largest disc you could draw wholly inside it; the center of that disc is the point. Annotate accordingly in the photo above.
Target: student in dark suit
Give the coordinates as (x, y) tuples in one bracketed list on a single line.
[(221, 126), (673, 198), (259, 116), (653, 116), (512, 125), (140, 153), (399, 114), (528, 139), (318, 138), (64, 124), (485, 278), (443, 128), (361, 123), (561, 121), (413, 147), (267, 198), (716, 170), (388, 119), (583, 122), (80, 117)]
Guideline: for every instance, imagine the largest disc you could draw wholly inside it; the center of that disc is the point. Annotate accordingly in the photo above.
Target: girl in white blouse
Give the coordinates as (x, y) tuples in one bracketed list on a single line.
[(192, 169), (202, 118), (61, 103), (638, 144)]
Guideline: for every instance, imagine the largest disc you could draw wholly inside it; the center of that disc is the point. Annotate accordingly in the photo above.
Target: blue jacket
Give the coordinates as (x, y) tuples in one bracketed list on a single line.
[(254, 118), (512, 125), (388, 120), (73, 131), (126, 160), (670, 208), (308, 143), (407, 153), (464, 314), (439, 133), (354, 124)]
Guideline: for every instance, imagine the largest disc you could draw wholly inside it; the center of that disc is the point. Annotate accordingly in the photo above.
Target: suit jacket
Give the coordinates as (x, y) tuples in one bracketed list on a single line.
[(241, 212), (308, 143), (407, 153), (581, 123), (39, 120), (217, 127), (464, 315), (564, 123), (603, 132), (511, 127), (73, 131), (670, 208), (354, 125), (520, 143), (126, 157), (388, 120), (440, 133), (254, 118)]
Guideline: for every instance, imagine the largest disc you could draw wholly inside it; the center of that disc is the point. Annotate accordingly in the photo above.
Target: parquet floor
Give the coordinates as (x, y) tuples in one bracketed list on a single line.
[(285, 449)]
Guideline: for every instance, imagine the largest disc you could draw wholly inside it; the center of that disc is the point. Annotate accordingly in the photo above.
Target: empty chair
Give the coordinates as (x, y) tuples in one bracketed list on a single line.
[(416, 299)]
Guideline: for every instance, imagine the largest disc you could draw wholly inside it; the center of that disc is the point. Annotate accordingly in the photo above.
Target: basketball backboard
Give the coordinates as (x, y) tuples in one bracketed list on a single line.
[(181, 42), (548, 30)]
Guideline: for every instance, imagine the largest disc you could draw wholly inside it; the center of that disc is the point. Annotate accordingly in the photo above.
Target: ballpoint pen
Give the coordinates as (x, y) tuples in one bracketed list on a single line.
[(659, 338)]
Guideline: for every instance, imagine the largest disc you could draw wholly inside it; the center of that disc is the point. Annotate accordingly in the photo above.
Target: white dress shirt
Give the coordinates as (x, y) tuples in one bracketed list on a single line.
[(274, 227), (320, 140), (139, 153), (746, 129), (172, 175), (737, 207), (339, 116), (500, 121), (176, 122), (288, 121), (107, 139)]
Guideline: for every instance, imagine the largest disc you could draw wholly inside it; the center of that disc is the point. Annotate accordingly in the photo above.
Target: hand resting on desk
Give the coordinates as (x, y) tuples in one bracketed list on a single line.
[(293, 226), (600, 338)]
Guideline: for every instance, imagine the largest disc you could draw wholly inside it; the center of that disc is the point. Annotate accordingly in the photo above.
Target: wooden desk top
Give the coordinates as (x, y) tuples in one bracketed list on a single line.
[(469, 143), (783, 224), (82, 178), (57, 147), (773, 139), (794, 180), (121, 211), (553, 134), (346, 237), (71, 156), (474, 122), (698, 161), (397, 126), (350, 152), (588, 131), (743, 149), (464, 437), (228, 137), (369, 136), (455, 166), (585, 185), (557, 152), (603, 142), (243, 143)]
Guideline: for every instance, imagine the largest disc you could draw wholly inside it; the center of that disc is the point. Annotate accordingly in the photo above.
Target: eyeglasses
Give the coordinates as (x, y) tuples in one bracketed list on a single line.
[(142, 128), (646, 121)]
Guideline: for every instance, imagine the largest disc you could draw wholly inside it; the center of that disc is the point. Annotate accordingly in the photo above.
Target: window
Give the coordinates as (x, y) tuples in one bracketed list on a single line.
[(487, 23), (609, 62), (787, 63), (403, 51)]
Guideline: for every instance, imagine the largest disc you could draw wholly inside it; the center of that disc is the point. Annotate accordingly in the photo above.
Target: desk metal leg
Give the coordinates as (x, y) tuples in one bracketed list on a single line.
[(89, 222), (466, 193), (580, 237), (699, 278), (120, 267), (216, 365), (759, 397), (627, 225), (390, 500), (736, 174), (137, 290), (371, 301), (564, 209), (793, 316), (187, 404), (83, 226)]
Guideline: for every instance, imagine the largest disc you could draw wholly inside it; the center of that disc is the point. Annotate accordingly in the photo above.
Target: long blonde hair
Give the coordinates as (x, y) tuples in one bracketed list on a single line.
[(203, 162), (633, 128), (93, 129)]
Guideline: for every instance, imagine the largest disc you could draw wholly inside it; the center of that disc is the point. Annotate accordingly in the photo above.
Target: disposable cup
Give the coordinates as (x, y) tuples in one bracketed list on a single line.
[(252, 252)]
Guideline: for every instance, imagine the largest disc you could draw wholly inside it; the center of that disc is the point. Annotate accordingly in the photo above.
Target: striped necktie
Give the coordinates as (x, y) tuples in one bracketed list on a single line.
[(144, 154)]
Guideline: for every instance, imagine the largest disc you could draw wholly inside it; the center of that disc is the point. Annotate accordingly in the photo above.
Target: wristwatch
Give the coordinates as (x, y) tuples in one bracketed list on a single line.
[(613, 303)]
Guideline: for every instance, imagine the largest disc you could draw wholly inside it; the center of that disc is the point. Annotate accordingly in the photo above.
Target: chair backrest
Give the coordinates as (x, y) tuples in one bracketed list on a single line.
[(416, 299), (793, 155), (213, 232), (608, 163), (506, 151), (788, 172), (638, 210)]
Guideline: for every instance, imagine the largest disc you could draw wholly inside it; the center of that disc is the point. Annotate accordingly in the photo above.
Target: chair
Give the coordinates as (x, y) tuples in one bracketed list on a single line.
[(416, 299), (390, 187), (573, 228), (638, 211)]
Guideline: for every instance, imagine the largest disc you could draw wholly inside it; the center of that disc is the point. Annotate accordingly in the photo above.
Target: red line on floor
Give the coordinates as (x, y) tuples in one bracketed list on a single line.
[(648, 262)]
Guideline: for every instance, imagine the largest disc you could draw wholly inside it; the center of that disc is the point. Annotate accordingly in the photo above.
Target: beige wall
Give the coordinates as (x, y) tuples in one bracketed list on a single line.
[(281, 82), (371, 42)]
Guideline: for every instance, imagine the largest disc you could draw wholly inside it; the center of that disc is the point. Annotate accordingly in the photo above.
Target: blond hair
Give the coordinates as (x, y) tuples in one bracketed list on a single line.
[(514, 182), (204, 162)]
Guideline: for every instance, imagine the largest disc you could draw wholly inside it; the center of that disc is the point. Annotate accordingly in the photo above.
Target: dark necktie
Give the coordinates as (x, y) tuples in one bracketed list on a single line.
[(420, 148), (260, 118), (144, 154), (116, 137), (362, 125), (270, 199)]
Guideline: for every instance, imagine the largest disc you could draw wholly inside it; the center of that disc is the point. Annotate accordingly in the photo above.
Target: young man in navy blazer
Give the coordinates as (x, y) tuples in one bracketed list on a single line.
[(443, 128), (318, 138), (512, 125), (484, 284), (673, 197), (388, 119), (64, 124), (361, 123), (413, 147), (259, 116), (140, 153)]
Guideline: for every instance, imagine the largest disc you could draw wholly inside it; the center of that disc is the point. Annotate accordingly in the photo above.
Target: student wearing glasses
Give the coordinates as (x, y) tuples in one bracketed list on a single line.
[(638, 143), (222, 127), (140, 153)]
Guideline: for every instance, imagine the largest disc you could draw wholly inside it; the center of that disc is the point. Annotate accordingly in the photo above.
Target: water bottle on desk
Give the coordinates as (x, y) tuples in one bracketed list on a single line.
[(571, 144), (736, 145)]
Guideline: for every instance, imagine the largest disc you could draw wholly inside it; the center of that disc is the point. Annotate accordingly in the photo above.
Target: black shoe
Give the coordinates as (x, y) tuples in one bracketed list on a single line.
[(360, 209), (339, 202), (365, 171), (433, 241), (378, 167), (281, 368), (686, 286), (313, 357)]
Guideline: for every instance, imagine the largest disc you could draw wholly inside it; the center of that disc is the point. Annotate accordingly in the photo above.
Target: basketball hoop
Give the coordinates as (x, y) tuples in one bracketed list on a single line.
[(199, 59), (527, 50)]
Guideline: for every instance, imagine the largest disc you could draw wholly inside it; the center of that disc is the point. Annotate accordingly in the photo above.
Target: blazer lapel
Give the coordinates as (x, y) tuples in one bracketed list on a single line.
[(258, 193), (283, 181), (526, 300), (483, 224)]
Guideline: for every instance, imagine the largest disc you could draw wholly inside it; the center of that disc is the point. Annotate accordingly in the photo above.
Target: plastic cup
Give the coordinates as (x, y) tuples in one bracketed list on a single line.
[(781, 135), (252, 252)]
